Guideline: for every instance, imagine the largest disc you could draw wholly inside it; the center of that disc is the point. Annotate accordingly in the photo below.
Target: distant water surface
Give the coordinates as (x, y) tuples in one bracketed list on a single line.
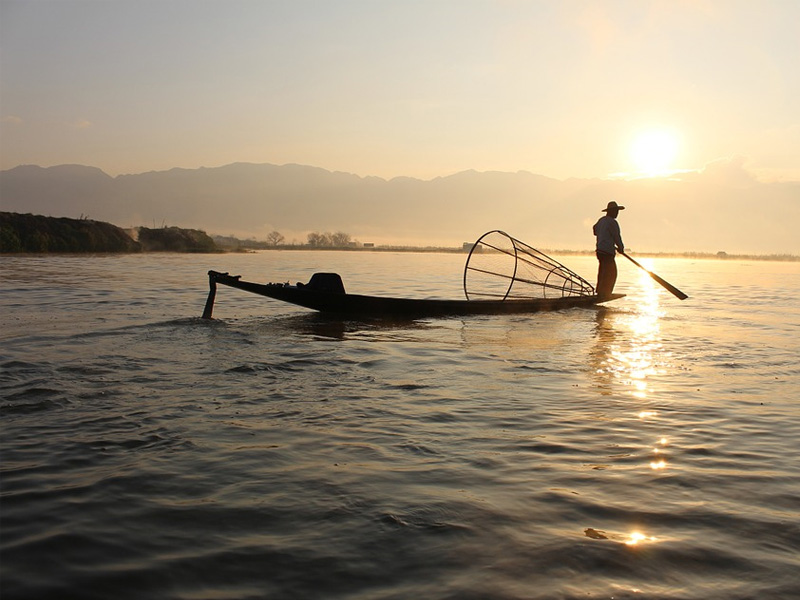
[(644, 450)]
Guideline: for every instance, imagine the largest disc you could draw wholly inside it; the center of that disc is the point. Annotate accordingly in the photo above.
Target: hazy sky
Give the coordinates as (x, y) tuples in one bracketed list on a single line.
[(403, 87)]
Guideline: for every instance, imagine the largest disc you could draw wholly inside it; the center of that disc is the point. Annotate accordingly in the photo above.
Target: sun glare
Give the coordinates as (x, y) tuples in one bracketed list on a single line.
[(653, 152)]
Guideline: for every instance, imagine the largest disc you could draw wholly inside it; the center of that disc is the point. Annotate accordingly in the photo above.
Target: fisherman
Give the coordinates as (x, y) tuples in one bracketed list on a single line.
[(609, 239)]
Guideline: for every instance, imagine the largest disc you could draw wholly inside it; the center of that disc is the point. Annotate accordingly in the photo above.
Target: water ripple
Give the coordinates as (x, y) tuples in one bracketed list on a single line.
[(642, 451)]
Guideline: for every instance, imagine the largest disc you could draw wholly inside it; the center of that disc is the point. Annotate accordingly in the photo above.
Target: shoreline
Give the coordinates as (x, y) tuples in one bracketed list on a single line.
[(421, 250)]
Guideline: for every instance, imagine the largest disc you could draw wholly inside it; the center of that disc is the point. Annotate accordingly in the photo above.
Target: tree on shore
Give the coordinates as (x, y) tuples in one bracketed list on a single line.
[(328, 240), (340, 239), (275, 238), (318, 240)]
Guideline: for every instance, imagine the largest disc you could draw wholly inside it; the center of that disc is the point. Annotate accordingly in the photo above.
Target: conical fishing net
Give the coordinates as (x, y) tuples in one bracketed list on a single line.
[(500, 267)]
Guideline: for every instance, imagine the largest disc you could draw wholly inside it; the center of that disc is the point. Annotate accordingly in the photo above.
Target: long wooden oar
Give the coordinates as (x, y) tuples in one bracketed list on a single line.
[(667, 285)]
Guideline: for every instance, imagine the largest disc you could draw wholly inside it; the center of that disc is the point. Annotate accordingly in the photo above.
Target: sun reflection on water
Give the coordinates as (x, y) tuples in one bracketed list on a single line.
[(630, 353), (627, 360), (633, 538), (645, 342), (659, 462), (636, 538), (629, 343)]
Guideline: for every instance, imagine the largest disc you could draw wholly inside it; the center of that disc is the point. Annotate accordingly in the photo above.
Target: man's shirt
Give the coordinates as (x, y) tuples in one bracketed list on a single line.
[(608, 235)]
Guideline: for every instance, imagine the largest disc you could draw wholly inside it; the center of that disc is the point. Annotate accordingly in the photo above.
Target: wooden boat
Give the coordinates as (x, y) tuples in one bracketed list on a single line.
[(325, 293), (502, 276)]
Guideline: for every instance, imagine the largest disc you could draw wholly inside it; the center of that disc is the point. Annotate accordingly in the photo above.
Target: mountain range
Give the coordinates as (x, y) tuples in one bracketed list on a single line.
[(720, 208)]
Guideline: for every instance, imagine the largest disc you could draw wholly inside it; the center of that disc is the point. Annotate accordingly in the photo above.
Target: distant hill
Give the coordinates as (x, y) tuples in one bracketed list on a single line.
[(40, 234), (33, 233), (175, 239), (719, 209)]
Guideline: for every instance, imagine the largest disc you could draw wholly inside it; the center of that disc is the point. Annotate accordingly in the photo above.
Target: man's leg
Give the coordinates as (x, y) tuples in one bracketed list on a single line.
[(606, 274)]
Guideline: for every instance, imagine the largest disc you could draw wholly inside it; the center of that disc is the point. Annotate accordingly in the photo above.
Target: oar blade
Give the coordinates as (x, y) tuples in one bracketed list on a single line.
[(665, 284), (669, 287)]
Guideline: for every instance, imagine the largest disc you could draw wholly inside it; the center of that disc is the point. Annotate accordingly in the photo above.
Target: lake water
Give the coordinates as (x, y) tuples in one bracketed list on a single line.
[(644, 450)]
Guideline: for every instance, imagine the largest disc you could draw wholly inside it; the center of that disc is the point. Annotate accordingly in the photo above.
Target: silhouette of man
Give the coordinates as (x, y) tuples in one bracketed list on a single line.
[(609, 239)]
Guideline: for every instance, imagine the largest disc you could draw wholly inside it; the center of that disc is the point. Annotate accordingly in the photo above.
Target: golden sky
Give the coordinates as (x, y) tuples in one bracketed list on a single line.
[(419, 88)]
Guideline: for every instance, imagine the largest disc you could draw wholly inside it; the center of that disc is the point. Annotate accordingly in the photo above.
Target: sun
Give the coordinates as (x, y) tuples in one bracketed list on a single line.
[(654, 151)]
